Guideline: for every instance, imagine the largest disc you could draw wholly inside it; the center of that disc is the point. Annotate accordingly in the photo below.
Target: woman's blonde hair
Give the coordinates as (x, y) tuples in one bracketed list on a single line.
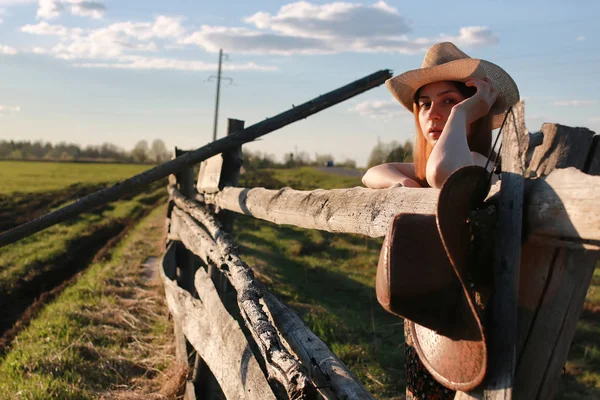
[(480, 141)]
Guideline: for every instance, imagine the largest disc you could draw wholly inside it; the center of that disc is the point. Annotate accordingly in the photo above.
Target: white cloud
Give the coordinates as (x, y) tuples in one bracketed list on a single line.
[(304, 28), (39, 50), (333, 20), (49, 9), (2, 12), (7, 50), (580, 38), (45, 29), (472, 36), (574, 103), (380, 109), (111, 42), (139, 62), (594, 119), (13, 2), (119, 46), (9, 109)]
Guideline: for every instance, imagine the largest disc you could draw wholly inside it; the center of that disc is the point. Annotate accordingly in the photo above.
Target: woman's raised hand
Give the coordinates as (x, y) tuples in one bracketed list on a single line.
[(480, 103)]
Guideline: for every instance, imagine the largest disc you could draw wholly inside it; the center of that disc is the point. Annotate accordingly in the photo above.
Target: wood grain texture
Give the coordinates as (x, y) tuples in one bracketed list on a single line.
[(209, 175), (355, 210), (552, 299), (281, 365), (502, 326), (332, 378), (561, 205), (216, 336), (562, 147)]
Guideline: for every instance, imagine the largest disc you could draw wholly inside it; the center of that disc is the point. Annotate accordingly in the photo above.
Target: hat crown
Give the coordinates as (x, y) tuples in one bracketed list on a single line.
[(442, 53)]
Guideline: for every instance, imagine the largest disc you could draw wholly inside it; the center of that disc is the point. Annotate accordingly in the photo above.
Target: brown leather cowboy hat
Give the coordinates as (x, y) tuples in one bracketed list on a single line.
[(446, 62), (423, 276)]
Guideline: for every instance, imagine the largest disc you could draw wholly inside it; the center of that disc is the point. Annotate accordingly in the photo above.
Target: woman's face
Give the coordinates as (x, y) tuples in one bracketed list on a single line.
[(435, 102)]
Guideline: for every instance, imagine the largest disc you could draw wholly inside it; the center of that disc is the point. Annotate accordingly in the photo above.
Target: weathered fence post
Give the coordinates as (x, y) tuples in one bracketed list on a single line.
[(555, 277), (184, 268), (224, 170), (230, 174), (185, 259), (216, 173), (502, 328)]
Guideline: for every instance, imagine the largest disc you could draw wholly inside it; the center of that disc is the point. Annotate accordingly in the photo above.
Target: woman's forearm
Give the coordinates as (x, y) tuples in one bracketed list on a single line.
[(390, 174), (451, 150)]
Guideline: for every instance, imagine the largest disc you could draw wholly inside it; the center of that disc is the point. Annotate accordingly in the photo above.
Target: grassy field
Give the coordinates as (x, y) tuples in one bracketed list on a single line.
[(327, 278), (107, 334), (53, 182), (31, 176)]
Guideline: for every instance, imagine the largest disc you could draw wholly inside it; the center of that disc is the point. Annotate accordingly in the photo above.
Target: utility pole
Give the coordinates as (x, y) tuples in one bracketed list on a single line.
[(218, 93)]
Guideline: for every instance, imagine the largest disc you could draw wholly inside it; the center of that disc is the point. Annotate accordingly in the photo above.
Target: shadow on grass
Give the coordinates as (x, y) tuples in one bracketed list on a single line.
[(329, 280)]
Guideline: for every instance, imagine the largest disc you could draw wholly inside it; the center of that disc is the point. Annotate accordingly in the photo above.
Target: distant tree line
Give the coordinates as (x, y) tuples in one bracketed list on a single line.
[(258, 160), (142, 152), (390, 152)]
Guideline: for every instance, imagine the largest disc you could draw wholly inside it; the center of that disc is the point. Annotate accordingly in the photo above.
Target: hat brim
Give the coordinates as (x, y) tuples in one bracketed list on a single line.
[(404, 86)]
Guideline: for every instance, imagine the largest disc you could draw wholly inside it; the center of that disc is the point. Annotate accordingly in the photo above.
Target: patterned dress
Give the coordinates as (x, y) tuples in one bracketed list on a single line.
[(420, 385)]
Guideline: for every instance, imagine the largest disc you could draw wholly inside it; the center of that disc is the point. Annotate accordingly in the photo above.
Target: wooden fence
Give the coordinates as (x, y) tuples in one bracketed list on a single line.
[(547, 241), (247, 344)]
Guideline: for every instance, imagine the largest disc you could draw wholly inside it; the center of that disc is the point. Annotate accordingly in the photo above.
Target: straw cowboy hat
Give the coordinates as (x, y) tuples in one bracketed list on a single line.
[(426, 274), (446, 62)]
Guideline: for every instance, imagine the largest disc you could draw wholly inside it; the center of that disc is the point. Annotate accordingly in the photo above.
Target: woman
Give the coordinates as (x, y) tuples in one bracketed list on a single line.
[(456, 101)]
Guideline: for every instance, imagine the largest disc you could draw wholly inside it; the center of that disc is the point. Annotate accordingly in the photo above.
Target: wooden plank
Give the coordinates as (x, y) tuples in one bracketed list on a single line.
[(331, 376), (502, 327), (592, 164), (230, 176), (584, 264), (209, 175), (536, 267), (281, 365), (140, 181), (561, 276), (563, 146), (217, 337), (563, 204), (356, 210), (546, 351)]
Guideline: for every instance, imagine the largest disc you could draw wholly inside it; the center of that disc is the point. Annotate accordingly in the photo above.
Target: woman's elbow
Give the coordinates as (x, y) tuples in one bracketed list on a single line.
[(369, 178), (434, 179), (436, 175), (375, 177)]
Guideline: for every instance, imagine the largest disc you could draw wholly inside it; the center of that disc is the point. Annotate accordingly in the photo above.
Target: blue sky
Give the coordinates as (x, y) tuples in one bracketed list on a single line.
[(99, 71)]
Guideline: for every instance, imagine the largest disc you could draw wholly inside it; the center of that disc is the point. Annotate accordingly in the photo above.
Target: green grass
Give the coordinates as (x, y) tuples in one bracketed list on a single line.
[(327, 278), (24, 176), (107, 331), (32, 256), (307, 178), (582, 379)]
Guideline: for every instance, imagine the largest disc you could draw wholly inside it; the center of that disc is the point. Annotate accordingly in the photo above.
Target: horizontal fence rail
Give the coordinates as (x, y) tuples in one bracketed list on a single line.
[(560, 205)]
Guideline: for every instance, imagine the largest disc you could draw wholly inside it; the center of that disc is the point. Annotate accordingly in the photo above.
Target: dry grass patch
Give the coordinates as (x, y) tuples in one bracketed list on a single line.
[(107, 336)]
